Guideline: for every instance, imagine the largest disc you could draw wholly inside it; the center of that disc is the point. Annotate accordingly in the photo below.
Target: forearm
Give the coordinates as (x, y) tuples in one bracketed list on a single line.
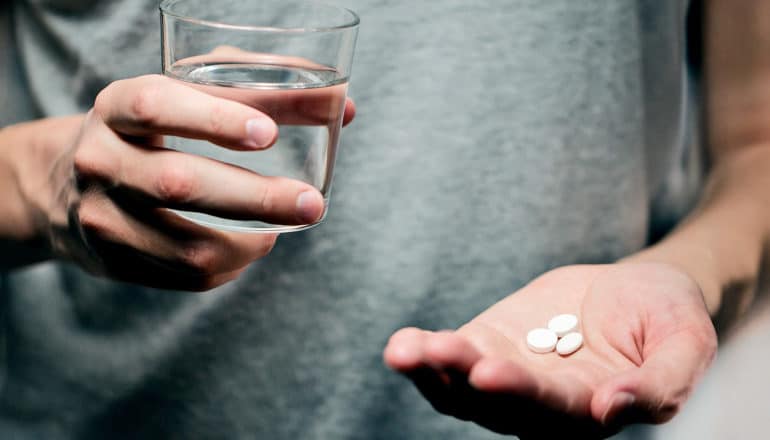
[(28, 152), (721, 244)]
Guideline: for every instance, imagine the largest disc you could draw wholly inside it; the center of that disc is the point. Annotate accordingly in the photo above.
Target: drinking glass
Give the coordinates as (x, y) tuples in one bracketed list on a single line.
[(289, 59)]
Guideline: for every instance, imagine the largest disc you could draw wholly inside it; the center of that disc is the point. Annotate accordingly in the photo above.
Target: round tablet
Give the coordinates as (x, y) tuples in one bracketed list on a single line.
[(541, 340), (563, 324), (569, 344)]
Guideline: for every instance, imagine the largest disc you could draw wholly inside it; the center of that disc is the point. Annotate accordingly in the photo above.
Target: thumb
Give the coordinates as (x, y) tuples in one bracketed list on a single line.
[(655, 391)]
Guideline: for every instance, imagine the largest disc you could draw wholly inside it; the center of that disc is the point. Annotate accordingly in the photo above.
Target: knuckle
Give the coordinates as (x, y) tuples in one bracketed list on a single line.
[(103, 99), (92, 160), (92, 221), (200, 258), (84, 163), (93, 119), (264, 199), (175, 184), (144, 104), (263, 247), (218, 117), (88, 165)]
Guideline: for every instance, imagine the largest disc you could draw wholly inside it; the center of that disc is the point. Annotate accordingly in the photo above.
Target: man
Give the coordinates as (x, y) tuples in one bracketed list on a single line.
[(495, 143)]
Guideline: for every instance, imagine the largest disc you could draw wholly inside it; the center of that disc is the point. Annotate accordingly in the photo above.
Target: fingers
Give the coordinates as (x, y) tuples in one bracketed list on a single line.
[(515, 400), (559, 391), (195, 183), (438, 364), (128, 266), (504, 376), (655, 392), (153, 104), (412, 348), (323, 106), (404, 351), (233, 54), (314, 105), (499, 394), (160, 249), (176, 180)]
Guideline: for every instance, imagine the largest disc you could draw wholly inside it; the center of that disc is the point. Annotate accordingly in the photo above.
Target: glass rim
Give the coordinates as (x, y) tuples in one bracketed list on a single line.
[(166, 5)]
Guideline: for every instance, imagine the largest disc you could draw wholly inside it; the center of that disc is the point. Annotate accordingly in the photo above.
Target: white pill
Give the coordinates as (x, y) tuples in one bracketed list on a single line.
[(569, 344), (541, 340), (563, 324)]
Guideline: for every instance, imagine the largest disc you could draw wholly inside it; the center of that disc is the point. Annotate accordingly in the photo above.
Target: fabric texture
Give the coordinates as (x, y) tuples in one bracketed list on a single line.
[(494, 141)]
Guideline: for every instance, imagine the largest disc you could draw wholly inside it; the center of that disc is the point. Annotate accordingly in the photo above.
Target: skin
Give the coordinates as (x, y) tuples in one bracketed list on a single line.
[(647, 339), (647, 319), (92, 188)]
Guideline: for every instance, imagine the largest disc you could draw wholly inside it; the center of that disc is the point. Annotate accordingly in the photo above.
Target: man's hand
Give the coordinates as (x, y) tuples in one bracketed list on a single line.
[(101, 201), (648, 338)]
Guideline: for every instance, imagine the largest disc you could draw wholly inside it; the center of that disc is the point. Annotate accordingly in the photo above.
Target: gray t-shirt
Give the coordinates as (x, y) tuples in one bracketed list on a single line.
[(495, 140)]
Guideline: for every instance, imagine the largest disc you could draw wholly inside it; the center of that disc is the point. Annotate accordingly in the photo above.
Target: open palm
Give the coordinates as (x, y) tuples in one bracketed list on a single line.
[(647, 339)]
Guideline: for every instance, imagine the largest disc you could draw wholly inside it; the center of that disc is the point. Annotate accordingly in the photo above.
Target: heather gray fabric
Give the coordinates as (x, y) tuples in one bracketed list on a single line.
[(494, 141)]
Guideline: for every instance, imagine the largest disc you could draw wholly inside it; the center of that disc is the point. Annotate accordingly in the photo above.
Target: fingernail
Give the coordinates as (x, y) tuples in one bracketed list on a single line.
[(618, 403), (309, 207), (261, 132)]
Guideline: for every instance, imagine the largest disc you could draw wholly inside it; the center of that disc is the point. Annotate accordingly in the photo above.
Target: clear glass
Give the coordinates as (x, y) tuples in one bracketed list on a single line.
[(289, 59)]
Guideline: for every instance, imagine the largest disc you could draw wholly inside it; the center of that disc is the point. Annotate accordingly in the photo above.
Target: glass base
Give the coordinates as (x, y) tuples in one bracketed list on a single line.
[(250, 226)]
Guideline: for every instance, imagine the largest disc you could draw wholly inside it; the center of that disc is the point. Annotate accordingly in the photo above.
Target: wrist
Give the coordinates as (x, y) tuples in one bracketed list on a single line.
[(721, 244), (28, 154), (17, 223), (696, 262)]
